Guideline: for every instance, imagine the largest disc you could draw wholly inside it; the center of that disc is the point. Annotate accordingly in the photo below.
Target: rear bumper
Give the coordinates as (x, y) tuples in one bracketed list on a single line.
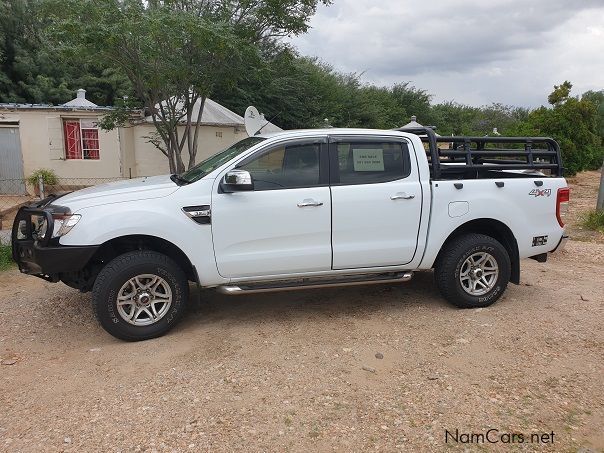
[(562, 244)]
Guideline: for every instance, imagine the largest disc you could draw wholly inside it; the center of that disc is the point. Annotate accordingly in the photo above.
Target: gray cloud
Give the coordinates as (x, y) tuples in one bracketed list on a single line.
[(475, 52)]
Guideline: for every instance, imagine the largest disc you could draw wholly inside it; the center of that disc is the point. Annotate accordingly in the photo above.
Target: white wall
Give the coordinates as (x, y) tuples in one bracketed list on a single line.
[(42, 145), (124, 152), (149, 161)]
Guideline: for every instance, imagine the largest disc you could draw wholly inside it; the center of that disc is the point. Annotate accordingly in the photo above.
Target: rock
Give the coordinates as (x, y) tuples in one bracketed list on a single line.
[(583, 298), (379, 355), (94, 350), (368, 368), (432, 378), (462, 341), (347, 349), (10, 361), (67, 440)]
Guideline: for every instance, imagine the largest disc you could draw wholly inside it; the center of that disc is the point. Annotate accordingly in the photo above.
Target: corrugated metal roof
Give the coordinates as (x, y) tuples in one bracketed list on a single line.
[(63, 107)]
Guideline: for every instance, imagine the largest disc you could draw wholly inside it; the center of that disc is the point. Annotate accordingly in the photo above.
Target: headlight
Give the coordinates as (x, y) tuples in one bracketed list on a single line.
[(39, 227), (64, 224)]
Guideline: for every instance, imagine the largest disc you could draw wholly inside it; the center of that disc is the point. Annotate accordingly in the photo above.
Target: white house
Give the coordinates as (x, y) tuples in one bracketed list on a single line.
[(67, 140)]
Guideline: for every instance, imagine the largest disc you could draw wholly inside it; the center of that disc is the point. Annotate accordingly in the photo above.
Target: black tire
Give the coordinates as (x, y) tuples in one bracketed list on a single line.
[(117, 273), (452, 258)]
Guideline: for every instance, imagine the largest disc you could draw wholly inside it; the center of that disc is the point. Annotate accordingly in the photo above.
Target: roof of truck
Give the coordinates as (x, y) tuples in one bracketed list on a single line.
[(330, 131)]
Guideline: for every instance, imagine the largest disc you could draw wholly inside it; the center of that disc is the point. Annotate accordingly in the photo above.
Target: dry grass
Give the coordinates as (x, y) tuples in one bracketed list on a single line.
[(583, 196), (594, 220)]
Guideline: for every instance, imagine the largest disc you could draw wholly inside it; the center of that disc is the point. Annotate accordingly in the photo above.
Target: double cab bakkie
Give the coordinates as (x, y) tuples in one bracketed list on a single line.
[(303, 209)]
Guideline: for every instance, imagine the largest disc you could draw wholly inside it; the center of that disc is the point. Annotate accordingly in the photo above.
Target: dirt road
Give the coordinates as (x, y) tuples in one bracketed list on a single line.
[(298, 371)]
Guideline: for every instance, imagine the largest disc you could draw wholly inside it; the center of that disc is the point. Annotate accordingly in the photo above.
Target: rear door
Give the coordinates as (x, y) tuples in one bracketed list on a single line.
[(376, 202)]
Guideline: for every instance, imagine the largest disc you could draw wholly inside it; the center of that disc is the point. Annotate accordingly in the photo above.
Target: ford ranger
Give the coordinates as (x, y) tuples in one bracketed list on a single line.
[(303, 209)]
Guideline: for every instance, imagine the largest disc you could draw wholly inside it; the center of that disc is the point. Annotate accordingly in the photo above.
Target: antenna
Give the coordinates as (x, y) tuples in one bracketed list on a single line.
[(253, 121)]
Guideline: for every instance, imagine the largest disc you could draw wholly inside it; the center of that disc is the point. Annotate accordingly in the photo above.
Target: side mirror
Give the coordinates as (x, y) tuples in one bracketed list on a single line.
[(237, 181)]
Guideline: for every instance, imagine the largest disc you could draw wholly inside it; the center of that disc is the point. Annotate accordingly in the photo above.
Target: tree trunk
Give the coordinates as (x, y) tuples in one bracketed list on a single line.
[(193, 148), (166, 120)]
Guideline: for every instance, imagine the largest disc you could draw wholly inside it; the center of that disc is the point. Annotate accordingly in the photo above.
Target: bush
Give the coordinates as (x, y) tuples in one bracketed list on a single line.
[(594, 220), (6, 257), (49, 177)]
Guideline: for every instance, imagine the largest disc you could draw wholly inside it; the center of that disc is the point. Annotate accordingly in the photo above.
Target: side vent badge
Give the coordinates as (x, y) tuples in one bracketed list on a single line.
[(199, 214)]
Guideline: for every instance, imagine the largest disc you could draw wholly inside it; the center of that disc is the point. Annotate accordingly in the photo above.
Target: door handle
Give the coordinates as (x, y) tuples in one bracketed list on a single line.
[(309, 202), (402, 196)]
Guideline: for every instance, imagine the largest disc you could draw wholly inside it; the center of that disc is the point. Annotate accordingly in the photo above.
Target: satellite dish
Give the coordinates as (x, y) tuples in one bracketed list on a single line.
[(253, 120)]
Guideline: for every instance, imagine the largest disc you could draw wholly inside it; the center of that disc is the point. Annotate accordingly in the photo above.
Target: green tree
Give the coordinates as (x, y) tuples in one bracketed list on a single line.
[(573, 123), (597, 99), (174, 52), (412, 101), (560, 94), (31, 70), (302, 92), (452, 118)]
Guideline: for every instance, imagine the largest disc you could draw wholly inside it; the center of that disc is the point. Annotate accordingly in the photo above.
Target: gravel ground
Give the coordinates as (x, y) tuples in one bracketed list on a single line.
[(380, 368), (285, 371)]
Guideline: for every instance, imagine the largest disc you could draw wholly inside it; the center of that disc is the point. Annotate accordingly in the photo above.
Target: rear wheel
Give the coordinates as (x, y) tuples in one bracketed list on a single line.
[(473, 271), (140, 295)]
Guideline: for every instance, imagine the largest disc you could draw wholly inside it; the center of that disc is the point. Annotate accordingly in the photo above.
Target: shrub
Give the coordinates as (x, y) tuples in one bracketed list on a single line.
[(594, 220), (49, 177), (6, 257)]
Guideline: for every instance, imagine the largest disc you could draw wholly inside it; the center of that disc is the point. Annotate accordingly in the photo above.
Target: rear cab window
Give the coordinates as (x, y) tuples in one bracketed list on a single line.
[(369, 162)]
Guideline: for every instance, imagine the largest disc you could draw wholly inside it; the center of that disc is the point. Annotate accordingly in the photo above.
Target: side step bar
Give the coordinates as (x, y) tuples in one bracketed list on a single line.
[(311, 283)]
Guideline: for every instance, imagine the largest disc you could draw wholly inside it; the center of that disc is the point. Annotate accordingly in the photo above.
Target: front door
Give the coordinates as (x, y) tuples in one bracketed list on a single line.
[(11, 162), (376, 202), (283, 226)]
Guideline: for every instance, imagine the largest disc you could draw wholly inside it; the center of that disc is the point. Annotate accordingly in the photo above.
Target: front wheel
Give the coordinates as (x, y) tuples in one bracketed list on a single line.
[(473, 271), (140, 295)]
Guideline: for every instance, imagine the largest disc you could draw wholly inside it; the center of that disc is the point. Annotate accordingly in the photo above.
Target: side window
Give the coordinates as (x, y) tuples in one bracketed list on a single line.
[(372, 162), (286, 167)]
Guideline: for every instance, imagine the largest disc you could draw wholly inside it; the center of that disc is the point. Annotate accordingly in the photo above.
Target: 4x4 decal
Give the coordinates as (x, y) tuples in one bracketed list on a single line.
[(540, 192)]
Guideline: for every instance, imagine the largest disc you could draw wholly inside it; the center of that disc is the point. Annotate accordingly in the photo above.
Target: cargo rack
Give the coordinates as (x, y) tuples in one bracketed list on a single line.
[(481, 157)]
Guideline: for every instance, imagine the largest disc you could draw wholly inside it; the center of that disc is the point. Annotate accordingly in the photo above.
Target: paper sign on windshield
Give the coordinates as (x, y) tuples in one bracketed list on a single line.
[(368, 159)]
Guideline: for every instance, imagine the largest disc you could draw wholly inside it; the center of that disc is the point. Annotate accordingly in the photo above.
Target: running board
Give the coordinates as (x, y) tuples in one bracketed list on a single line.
[(317, 282)]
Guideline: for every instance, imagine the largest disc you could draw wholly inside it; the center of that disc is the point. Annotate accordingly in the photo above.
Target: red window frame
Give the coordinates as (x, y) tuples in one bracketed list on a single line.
[(81, 139)]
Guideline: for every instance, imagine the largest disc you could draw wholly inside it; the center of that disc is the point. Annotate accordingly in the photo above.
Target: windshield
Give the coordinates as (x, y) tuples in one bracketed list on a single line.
[(212, 163)]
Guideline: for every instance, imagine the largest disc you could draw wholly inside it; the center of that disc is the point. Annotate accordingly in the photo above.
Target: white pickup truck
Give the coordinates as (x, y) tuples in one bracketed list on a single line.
[(303, 209)]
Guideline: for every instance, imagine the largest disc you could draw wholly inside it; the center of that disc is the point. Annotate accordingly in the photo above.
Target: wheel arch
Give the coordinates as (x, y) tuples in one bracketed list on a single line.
[(495, 229), (123, 244), (110, 249)]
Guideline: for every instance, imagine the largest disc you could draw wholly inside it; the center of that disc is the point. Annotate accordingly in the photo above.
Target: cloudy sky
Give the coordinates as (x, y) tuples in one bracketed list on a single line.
[(471, 51)]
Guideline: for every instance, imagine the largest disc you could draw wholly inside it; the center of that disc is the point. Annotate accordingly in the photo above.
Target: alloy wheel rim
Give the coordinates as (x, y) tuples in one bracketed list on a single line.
[(479, 273), (144, 300)]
